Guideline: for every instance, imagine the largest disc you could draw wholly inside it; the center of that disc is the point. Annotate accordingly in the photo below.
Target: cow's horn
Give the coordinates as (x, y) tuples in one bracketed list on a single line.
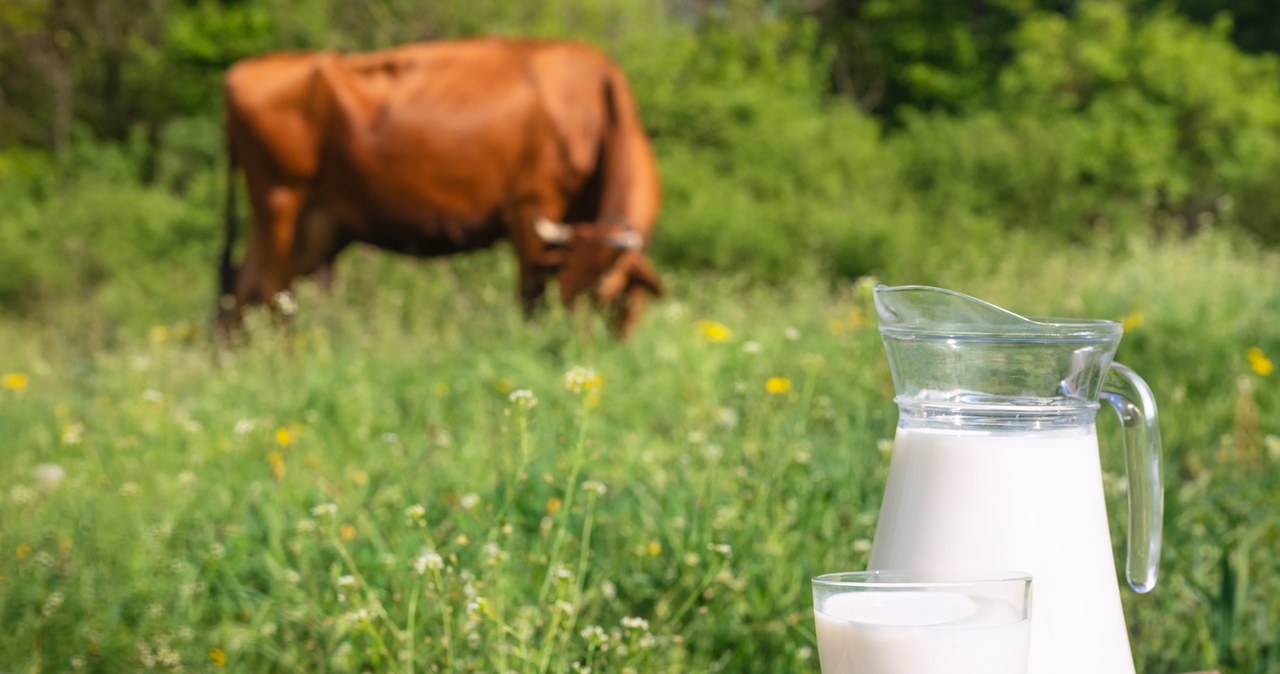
[(627, 240), (552, 232)]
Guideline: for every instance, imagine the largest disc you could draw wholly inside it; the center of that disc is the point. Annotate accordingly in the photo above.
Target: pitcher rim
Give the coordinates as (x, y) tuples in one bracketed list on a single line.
[(1023, 328)]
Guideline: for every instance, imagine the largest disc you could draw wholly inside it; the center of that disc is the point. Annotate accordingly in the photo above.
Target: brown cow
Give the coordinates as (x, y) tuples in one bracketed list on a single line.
[(439, 148)]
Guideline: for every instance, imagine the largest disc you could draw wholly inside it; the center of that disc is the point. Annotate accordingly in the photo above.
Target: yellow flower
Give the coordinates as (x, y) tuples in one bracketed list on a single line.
[(1259, 361), (14, 381), (504, 385), (276, 459), (583, 380), (284, 436), (713, 331), (654, 548), (24, 551), (777, 385), (553, 505), (347, 532), (159, 334), (1133, 321), (219, 658)]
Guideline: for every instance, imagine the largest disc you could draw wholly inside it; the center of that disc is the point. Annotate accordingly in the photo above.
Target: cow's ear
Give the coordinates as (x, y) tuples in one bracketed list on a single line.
[(553, 233), (642, 273)]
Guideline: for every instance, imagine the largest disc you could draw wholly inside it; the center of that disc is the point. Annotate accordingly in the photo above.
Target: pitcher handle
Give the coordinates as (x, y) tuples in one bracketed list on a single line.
[(1133, 401)]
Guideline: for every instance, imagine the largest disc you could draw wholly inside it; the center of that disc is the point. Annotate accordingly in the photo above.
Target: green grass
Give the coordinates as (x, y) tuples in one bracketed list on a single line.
[(190, 526)]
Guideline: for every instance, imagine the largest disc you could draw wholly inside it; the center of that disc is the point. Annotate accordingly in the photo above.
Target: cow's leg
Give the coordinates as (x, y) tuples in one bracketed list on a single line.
[(268, 267)]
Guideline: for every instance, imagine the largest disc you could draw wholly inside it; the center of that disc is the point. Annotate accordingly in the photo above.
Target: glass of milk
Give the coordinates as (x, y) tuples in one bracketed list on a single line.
[(917, 622)]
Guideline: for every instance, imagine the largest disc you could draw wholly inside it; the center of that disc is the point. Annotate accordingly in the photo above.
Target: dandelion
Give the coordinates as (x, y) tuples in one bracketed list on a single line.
[(325, 510), (777, 385), (284, 436), (1132, 321), (582, 380), (524, 399), (594, 487), (654, 548), (14, 381), (1259, 362), (428, 560), (713, 331), (218, 657)]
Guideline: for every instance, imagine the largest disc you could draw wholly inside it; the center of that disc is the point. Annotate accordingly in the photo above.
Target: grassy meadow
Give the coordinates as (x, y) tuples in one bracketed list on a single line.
[(408, 477)]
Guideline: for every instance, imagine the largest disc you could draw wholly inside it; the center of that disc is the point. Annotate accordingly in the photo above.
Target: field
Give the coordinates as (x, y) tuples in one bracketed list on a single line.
[(409, 477)]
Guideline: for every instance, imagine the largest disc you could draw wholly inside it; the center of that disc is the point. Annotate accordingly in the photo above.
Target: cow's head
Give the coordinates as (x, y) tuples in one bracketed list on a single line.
[(608, 262)]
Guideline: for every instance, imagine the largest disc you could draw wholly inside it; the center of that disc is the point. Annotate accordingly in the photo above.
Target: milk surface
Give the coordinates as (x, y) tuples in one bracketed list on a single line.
[(920, 633), (1032, 502)]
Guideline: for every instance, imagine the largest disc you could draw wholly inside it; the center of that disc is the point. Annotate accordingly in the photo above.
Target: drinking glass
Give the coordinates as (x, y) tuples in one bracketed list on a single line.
[(917, 622)]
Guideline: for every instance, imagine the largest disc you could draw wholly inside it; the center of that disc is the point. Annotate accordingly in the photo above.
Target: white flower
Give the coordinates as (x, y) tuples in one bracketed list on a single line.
[(469, 501), (752, 347), (523, 398), (49, 476), (346, 581), (325, 510), (429, 559), (71, 434), (285, 303), (595, 487), (722, 548), (635, 624), (244, 426), (152, 396), (791, 333)]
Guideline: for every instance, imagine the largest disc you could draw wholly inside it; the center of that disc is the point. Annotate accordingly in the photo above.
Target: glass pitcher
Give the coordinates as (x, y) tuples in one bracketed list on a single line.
[(995, 464)]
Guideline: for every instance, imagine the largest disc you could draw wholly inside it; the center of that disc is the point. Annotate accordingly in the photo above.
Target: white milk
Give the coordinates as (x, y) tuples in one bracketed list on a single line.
[(1031, 502), (920, 633)]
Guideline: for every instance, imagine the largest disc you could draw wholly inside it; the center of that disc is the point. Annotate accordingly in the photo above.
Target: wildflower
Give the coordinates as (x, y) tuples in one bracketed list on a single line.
[(347, 532), (493, 552), (292, 577), (284, 437), (608, 590), (416, 514), (129, 489), (23, 551), (712, 331), (777, 385), (654, 548), (71, 434), (562, 573), (219, 658), (276, 460), (553, 505), (359, 616), (594, 487), (791, 333), (721, 548), (504, 385), (469, 501), (524, 399), (51, 604), (594, 635), (804, 653), (429, 559), (862, 545), (49, 476), (346, 581), (285, 303), (152, 396), (1132, 321), (1261, 364), (325, 510), (753, 348), (14, 381), (186, 479), (565, 607), (583, 380), (727, 418), (244, 427), (635, 624)]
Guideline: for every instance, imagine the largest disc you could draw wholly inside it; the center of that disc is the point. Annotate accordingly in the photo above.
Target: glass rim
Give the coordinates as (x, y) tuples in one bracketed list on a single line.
[(908, 579)]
